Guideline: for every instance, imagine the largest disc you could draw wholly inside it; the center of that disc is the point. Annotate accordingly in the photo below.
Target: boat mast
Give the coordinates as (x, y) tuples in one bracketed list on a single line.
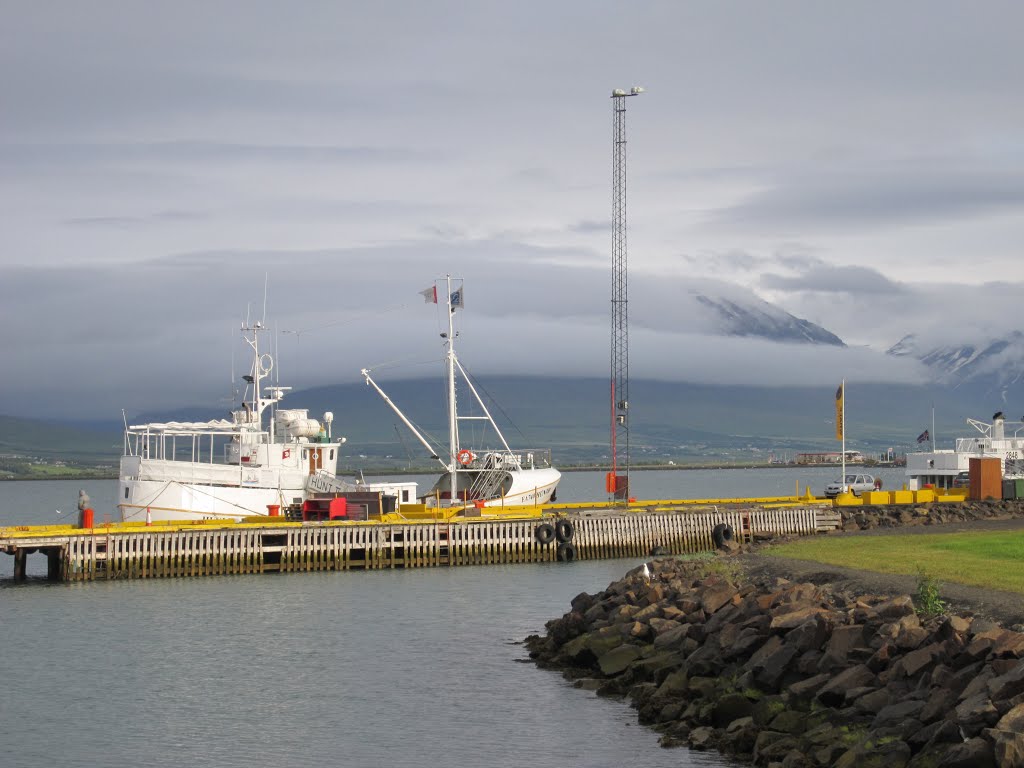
[(453, 428)]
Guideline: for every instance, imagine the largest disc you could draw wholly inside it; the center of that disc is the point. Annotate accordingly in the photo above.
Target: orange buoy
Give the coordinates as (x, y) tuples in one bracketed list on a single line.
[(85, 519)]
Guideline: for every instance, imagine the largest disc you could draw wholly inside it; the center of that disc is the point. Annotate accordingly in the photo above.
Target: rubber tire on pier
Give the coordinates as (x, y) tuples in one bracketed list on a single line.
[(544, 533), (721, 533), (564, 530), (566, 552)]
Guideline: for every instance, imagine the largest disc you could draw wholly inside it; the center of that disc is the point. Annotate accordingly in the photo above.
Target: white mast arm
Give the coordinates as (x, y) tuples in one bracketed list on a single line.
[(481, 402), (430, 449)]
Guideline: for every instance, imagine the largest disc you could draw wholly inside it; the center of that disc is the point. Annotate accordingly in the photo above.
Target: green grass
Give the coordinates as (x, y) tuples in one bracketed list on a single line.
[(991, 560)]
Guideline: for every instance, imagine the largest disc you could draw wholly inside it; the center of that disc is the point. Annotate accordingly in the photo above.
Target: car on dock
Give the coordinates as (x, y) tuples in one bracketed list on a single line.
[(855, 484)]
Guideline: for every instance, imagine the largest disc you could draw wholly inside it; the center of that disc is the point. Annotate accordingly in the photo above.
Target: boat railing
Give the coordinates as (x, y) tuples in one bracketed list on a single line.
[(204, 446), (530, 458)]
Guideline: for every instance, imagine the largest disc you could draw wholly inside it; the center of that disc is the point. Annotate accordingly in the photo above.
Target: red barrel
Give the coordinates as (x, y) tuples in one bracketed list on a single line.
[(274, 510), (85, 518)]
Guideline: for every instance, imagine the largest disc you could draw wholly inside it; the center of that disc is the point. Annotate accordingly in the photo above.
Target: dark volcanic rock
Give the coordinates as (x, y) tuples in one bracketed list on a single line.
[(793, 675)]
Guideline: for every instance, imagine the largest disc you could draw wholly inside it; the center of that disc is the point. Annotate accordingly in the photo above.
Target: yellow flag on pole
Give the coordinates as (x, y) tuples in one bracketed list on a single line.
[(839, 411)]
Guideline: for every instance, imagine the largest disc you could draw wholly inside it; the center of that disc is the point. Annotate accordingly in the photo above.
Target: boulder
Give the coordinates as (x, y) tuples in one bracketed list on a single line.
[(768, 674), (1007, 747), (844, 639), (834, 693), (616, 660), (895, 608), (915, 662), (881, 754), (773, 745), (976, 713), (805, 689), (1008, 685), (897, 713), (730, 707), (789, 721), (715, 596), (702, 738), (973, 753)]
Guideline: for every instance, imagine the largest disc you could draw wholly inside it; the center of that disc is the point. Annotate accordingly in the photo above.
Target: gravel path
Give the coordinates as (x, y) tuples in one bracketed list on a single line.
[(1004, 607)]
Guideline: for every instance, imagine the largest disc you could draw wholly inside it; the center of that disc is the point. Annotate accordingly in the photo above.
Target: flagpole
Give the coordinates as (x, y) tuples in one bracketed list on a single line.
[(933, 426), (843, 422)]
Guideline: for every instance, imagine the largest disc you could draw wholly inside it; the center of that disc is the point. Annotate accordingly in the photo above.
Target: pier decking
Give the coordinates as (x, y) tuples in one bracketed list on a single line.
[(206, 548)]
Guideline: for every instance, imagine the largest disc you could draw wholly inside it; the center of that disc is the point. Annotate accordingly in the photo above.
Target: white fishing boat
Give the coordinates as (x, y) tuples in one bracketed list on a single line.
[(477, 476), (243, 466), (999, 439)]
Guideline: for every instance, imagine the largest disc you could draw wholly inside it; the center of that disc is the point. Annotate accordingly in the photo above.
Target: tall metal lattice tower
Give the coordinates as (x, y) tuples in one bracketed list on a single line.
[(617, 483)]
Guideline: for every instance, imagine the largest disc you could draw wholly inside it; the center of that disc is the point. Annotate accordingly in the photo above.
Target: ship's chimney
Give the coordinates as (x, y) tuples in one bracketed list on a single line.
[(997, 426)]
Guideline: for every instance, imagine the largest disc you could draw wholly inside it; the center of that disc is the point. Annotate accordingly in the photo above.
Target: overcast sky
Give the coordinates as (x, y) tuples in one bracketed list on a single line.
[(859, 165)]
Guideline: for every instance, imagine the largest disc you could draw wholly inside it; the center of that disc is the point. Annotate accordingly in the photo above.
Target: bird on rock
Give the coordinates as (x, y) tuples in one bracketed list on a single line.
[(646, 573)]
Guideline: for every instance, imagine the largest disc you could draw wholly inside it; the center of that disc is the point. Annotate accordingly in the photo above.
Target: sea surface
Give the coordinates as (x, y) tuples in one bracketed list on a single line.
[(384, 668)]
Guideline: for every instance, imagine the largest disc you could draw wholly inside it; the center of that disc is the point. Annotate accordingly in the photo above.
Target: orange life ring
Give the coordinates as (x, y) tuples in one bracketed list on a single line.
[(465, 457)]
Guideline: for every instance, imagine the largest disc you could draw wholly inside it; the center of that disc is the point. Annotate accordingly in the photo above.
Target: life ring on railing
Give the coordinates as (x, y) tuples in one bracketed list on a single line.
[(564, 530), (722, 533), (465, 457)]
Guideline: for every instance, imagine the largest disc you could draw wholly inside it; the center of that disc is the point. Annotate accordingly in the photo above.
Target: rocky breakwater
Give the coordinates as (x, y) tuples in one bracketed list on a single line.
[(868, 517), (795, 675)]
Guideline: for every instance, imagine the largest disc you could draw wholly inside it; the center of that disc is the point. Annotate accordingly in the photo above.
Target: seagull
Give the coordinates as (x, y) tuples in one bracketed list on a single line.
[(59, 512), (646, 572)]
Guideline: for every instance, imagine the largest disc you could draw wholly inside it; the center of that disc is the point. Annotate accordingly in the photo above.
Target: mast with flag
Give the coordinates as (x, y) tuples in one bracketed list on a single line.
[(841, 424)]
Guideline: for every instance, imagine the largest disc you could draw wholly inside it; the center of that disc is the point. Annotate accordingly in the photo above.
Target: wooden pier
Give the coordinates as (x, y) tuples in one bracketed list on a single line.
[(132, 551)]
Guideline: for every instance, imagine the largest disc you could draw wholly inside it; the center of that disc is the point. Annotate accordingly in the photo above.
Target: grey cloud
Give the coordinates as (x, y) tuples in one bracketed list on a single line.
[(824, 201), (589, 226), (168, 321), (135, 221), (196, 152), (831, 279)]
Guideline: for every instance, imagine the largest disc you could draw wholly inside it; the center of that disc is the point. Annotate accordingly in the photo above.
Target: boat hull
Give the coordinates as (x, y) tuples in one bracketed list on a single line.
[(142, 500)]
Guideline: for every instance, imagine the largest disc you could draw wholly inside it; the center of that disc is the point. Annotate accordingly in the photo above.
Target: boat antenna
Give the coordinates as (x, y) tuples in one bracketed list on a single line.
[(266, 281)]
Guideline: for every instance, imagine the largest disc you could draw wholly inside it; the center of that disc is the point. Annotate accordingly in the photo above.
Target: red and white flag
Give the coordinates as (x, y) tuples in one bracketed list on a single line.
[(429, 295)]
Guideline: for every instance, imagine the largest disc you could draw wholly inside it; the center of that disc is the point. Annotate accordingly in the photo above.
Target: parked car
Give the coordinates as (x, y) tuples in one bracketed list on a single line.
[(856, 484), (962, 480)]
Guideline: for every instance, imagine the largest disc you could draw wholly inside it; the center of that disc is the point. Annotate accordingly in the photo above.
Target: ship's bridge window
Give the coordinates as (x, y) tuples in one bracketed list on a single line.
[(126, 491), (405, 494)]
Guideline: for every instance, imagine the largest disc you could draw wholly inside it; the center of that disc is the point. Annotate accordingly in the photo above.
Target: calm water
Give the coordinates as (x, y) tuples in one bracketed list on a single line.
[(386, 668)]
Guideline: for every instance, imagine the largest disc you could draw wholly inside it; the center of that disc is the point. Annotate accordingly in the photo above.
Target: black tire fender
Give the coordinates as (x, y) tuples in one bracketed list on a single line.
[(566, 552), (564, 530), (544, 533), (722, 533)]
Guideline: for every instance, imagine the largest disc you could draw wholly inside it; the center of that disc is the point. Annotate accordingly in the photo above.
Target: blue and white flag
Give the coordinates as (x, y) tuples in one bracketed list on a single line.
[(456, 298)]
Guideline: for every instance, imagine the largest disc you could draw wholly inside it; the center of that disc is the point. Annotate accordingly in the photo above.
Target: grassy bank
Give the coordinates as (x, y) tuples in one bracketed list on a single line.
[(990, 560)]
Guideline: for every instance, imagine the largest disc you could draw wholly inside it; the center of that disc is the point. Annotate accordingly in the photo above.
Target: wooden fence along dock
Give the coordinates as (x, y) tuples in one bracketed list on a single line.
[(205, 549)]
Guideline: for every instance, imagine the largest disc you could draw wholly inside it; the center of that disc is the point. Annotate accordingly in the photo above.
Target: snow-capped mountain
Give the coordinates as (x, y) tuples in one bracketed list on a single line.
[(993, 365), (755, 317)]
